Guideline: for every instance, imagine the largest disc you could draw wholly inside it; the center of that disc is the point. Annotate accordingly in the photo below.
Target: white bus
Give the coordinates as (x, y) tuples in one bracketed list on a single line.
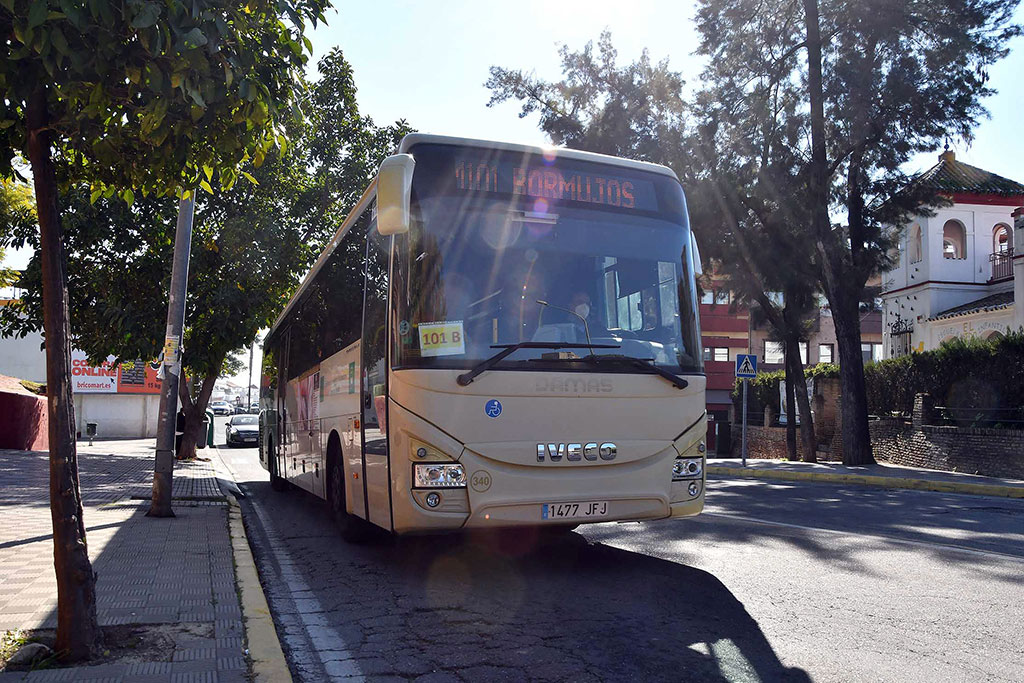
[(498, 335)]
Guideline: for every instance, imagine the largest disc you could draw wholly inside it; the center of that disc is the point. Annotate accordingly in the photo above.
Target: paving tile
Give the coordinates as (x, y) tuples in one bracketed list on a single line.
[(150, 571)]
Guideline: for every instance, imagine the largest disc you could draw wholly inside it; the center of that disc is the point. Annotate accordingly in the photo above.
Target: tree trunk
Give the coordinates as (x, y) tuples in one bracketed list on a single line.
[(78, 632), (854, 406), (808, 442), (791, 452), (856, 439), (194, 412)]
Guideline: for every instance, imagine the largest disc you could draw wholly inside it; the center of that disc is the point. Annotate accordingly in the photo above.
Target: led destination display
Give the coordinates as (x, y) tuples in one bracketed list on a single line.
[(555, 182)]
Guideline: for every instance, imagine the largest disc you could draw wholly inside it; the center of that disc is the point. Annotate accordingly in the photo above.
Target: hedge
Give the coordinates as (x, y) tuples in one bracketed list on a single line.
[(962, 374), (764, 389)]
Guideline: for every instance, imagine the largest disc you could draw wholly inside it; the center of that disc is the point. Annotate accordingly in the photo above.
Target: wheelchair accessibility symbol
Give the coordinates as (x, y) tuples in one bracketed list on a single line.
[(492, 408)]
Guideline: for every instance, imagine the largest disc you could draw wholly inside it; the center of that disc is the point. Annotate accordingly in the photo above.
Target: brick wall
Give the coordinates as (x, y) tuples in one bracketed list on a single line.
[(974, 450), (765, 443), (914, 443)]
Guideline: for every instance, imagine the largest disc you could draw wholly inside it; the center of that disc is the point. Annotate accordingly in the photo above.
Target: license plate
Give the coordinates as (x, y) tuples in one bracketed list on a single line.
[(573, 510)]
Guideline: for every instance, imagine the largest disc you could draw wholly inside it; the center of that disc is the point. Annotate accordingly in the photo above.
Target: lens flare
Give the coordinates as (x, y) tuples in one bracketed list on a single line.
[(540, 206), (549, 155)]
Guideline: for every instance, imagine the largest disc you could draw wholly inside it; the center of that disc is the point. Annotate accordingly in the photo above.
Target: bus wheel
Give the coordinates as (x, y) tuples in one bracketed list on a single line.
[(353, 529), (276, 483)]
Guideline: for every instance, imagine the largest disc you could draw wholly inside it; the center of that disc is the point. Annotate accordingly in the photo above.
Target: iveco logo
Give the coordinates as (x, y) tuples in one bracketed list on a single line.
[(576, 451)]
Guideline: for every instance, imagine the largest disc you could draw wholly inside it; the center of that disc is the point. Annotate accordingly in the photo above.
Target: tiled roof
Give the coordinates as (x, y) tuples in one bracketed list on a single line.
[(988, 303), (950, 175)]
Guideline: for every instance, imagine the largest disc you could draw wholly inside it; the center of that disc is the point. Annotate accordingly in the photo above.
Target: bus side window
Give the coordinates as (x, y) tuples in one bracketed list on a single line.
[(375, 338)]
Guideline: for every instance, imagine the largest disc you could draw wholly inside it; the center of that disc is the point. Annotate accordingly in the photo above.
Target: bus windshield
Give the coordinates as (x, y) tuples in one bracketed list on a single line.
[(498, 255)]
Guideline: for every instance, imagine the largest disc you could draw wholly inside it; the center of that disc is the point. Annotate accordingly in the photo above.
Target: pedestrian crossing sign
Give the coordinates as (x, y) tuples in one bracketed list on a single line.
[(746, 365)]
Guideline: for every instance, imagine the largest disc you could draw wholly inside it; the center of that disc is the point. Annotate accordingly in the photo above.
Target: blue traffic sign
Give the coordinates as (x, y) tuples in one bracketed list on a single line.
[(746, 365)]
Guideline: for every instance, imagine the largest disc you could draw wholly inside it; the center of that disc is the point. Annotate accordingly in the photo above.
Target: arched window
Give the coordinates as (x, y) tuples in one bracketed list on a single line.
[(914, 246), (1002, 239), (954, 240)]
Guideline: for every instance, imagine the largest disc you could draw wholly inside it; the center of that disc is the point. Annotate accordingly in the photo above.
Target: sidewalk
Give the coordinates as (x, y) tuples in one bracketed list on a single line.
[(882, 475), (171, 579)]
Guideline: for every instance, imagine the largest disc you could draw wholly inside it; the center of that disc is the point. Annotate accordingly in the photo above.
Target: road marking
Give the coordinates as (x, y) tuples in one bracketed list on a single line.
[(877, 537), (331, 649)]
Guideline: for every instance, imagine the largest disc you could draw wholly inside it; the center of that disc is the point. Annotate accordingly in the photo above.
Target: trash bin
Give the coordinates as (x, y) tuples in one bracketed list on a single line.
[(90, 431), (723, 439), (206, 431), (179, 431)]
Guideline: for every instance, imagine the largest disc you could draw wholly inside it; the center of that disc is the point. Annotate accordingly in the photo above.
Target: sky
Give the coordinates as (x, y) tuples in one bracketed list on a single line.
[(427, 62)]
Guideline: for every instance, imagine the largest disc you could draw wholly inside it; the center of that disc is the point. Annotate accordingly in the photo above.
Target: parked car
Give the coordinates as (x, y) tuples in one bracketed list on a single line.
[(254, 407), (242, 429), (220, 408)]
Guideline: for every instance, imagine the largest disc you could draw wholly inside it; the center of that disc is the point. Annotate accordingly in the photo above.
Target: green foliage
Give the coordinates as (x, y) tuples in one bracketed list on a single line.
[(964, 374), (822, 371), (764, 389), (153, 96), (250, 243), (17, 212), (635, 111)]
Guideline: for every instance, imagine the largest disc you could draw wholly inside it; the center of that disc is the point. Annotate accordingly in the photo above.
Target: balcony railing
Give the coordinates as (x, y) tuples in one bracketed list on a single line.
[(1002, 264)]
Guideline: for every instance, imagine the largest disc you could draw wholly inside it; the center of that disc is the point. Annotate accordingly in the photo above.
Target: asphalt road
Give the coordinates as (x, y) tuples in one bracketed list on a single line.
[(775, 581)]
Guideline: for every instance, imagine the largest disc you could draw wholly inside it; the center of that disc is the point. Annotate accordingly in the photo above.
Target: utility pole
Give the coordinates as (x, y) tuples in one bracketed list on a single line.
[(163, 471), (248, 385)]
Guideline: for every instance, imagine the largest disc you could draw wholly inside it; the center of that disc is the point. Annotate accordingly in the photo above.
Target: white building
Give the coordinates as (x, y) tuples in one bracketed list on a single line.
[(957, 274)]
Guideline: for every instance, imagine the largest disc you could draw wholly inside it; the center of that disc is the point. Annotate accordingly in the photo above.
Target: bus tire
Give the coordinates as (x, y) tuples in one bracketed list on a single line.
[(276, 483), (352, 528)]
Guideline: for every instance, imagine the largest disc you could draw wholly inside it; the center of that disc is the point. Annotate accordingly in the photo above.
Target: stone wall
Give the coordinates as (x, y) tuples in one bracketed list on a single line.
[(914, 442), (770, 442), (973, 450), (764, 443)]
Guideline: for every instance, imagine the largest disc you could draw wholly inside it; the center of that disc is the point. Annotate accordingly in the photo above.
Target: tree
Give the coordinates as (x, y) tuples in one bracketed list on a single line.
[(17, 211), (635, 111), (138, 96), (751, 213), (250, 245), (638, 111), (868, 84)]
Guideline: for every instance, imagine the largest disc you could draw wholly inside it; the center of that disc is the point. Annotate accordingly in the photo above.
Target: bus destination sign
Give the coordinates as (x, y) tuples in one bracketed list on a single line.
[(554, 183)]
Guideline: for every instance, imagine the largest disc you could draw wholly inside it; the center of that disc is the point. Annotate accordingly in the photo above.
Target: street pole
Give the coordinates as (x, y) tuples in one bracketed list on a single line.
[(743, 443), (163, 472), (248, 385)]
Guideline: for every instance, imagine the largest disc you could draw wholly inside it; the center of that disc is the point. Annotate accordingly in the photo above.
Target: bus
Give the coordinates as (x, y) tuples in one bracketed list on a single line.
[(498, 335)]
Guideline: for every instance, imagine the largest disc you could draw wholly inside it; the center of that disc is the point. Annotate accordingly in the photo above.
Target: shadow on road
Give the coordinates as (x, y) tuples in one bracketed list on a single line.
[(514, 606), (940, 522)]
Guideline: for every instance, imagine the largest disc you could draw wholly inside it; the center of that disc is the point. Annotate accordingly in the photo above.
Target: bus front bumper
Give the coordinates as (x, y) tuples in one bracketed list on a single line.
[(502, 495)]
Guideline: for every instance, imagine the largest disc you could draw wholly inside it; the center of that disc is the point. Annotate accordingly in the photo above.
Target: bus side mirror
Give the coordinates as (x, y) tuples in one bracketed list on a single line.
[(394, 186), (698, 267)]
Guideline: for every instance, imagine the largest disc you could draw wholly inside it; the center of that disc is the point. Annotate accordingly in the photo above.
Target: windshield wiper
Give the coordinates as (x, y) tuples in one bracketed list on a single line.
[(507, 349), (645, 364)]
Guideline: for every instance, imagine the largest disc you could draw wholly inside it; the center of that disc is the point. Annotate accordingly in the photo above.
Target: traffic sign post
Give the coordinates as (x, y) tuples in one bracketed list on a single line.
[(746, 368)]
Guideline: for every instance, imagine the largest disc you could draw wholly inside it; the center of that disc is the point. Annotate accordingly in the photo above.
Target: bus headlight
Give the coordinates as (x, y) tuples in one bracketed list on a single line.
[(436, 475), (687, 468)]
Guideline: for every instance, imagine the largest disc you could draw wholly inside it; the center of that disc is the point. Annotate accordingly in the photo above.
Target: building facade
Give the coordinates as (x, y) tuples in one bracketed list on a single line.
[(725, 332), (123, 399), (957, 272)]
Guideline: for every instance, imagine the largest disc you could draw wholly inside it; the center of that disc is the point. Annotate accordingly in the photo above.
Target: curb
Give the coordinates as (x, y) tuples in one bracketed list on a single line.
[(268, 662), (873, 480)]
